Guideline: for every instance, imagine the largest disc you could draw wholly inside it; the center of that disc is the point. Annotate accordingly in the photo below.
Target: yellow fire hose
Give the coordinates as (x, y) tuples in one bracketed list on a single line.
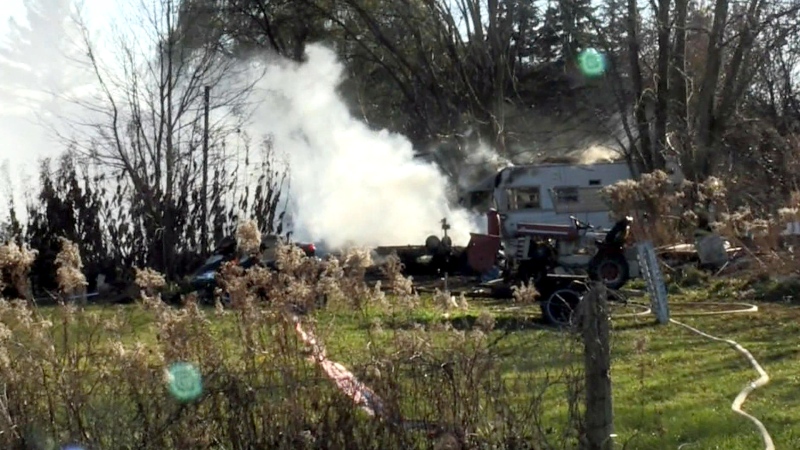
[(763, 378)]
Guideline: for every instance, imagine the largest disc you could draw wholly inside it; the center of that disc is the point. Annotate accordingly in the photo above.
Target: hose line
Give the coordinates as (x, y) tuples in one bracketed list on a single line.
[(763, 378)]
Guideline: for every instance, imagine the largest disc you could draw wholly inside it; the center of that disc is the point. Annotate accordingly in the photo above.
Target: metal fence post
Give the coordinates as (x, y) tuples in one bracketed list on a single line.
[(651, 272)]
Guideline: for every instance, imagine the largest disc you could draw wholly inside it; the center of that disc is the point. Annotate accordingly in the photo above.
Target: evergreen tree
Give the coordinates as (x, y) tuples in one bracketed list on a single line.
[(68, 206), (566, 30)]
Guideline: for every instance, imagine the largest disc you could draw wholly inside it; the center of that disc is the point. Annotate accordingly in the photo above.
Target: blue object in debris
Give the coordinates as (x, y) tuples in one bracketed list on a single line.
[(491, 274)]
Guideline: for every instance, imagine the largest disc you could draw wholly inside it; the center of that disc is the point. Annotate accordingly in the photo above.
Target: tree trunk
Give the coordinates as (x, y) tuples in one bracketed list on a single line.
[(679, 115), (734, 76), (640, 115), (662, 90), (704, 116), (497, 56), (168, 222)]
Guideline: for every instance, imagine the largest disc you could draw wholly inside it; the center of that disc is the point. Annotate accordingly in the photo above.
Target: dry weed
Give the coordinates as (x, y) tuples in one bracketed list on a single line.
[(673, 212), (248, 237), (150, 282), (399, 284), (444, 300), (102, 379), (671, 209), (71, 279), (15, 264), (485, 321), (525, 294)]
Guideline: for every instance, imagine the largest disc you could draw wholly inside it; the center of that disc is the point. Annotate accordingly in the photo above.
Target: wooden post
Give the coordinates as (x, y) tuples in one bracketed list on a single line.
[(204, 222), (599, 418)]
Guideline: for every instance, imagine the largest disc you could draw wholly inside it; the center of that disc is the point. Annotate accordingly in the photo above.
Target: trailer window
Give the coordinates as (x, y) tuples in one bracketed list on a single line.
[(567, 194), (524, 198)]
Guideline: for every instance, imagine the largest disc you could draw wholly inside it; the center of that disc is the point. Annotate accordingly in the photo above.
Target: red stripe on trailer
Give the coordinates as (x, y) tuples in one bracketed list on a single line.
[(547, 229)]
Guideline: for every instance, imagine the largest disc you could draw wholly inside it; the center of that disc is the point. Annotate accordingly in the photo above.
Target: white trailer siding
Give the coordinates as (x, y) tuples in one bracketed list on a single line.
[(551, 193)]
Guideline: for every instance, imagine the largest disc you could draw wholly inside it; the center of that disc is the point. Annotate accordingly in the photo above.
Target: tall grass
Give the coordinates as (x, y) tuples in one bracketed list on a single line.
[(99, 377)]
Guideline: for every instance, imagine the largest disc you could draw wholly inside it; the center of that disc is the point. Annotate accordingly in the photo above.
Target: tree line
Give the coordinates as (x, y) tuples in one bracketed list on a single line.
[(685, 75)]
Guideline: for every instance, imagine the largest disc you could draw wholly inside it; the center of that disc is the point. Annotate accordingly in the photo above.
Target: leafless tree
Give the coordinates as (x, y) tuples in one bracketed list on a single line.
[(146, 122), (447, 64), (686, 87)]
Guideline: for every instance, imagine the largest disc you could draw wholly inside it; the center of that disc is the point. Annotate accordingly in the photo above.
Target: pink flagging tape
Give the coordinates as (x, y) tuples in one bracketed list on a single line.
[(346, 381)]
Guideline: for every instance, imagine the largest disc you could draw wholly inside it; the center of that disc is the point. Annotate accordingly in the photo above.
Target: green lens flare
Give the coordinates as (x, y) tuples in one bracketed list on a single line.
[(592, 62), (184, 381)]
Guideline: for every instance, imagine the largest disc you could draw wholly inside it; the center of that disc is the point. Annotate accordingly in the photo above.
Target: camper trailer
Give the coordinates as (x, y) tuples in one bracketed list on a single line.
[(550, 193), (553, 215)]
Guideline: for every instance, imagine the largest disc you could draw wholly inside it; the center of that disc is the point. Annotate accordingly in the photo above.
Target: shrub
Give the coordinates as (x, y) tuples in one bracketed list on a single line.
[(100, 377), (671, 209)]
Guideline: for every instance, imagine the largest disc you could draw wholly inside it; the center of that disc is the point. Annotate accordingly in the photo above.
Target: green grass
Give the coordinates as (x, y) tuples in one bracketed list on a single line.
[(679, 389), (670, 386)]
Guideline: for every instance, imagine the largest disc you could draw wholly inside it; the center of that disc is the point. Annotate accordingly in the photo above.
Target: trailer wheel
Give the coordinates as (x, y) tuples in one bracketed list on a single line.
[(205, 296), (560, 307), (612, 270)]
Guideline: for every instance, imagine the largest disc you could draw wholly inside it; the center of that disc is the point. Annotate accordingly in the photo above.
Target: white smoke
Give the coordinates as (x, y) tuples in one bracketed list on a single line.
[(481, 161), (349, 184), (596, 153), (42, 69)]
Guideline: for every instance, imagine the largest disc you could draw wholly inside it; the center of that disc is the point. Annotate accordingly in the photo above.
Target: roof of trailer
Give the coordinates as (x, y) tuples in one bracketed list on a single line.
[(487, 183)]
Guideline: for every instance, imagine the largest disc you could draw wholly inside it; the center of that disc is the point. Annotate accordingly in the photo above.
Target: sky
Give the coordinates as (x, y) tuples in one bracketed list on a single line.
[(24, 140), (296, 104), (8, 9), (95, 11)]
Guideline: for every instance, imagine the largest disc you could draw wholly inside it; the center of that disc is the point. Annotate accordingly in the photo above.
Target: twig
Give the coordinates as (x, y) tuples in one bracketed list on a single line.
[(7, 414), (750, 252)]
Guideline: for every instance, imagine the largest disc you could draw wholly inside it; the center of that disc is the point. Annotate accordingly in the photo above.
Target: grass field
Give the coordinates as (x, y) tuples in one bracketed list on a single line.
[(671, 387)]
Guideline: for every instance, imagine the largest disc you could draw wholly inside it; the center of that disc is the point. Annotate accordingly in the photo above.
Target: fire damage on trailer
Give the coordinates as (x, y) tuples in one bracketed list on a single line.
[(547, 224)]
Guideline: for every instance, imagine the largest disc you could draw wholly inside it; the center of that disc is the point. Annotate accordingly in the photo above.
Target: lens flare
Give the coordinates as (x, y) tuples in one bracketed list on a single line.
[(184, 381), (592, 62)]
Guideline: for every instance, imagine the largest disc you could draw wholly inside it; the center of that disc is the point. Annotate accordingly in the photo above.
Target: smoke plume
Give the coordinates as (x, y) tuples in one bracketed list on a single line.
[(349, 184)]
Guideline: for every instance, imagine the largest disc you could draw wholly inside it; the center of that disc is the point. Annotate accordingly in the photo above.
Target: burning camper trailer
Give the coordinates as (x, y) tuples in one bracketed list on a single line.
[(549, 193), (552, 215)]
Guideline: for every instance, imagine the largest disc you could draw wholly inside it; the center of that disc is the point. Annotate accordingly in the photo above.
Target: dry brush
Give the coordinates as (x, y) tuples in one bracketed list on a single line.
[(100, 376)]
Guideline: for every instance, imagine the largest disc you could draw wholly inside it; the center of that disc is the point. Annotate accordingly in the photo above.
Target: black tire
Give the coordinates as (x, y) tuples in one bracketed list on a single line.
[(560, 307), (205, 297), (432, 244), (613, 270)]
